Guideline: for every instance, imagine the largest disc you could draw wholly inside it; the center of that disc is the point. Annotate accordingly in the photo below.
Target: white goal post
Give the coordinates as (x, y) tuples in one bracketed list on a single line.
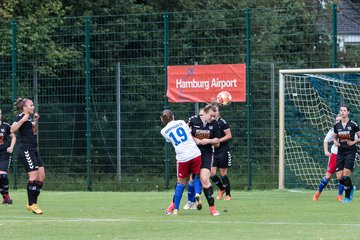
[(312, 94)]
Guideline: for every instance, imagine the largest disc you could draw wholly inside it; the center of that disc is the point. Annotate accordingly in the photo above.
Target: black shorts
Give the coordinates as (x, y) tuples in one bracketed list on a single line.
[(30, 158), (4, 161), (222, 160), (345, 160), (207, 160)]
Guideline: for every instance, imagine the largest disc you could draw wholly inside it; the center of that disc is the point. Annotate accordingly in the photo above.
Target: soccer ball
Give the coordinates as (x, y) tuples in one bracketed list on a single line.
[(224, 98)]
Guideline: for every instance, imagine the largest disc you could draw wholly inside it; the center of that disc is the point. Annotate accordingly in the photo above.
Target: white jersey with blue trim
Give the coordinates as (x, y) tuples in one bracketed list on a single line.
[(179, 134), (329, 138)]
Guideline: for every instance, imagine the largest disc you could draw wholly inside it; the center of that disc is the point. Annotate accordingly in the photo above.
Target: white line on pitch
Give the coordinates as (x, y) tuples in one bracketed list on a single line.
[(177, 221)]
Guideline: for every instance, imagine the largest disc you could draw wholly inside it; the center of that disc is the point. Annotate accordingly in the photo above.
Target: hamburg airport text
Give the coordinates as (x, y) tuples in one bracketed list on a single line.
[(207, 84)]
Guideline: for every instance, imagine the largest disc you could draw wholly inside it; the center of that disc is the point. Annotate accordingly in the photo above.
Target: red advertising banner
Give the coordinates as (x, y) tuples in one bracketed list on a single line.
[(202, 83)]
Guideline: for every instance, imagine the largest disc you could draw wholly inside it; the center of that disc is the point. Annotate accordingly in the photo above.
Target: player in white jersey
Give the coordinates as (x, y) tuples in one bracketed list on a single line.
[(188, 157), (330, 170)]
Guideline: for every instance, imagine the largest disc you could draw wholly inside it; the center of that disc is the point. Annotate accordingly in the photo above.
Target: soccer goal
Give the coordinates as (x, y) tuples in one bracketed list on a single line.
[(309, 100)]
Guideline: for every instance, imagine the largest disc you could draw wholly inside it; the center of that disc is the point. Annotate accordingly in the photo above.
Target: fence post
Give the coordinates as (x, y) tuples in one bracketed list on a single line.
[(166, 63), (248, 98), (334, 35), (88, 101), (36, 95), (14, 90), (118, 117), (273, 137)]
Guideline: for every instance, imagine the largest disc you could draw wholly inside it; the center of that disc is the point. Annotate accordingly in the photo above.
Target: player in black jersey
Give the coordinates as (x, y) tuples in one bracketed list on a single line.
[(191, 203), (206, 133), (5, 151), (344, 139), (222, 159), (26, 124)]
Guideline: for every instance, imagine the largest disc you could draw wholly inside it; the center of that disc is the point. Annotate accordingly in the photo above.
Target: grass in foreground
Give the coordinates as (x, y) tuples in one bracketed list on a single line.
[(133, 215)]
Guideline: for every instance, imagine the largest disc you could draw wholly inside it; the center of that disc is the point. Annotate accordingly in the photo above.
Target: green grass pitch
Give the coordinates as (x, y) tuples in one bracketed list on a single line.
[(140, 215)]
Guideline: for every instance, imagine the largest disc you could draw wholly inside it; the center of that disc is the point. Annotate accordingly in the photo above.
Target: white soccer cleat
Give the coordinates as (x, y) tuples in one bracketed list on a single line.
[(190, 205)]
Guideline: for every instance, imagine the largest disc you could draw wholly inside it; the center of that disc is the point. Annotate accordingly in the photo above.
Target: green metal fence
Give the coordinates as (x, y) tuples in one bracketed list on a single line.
[(99, 85)]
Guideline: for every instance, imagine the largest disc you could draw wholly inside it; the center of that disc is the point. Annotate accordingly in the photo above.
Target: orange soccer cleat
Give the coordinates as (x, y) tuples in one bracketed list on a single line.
[(227, 198), (220, 195), (316, 196), (339, 198)]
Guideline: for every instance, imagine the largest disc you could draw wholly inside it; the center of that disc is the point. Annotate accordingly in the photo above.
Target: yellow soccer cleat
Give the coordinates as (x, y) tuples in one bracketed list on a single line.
[(34, 208)]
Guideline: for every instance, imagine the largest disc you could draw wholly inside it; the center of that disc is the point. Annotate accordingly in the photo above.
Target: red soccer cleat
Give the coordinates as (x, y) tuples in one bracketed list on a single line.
[(213, 211), (170, 209), (7, 199)]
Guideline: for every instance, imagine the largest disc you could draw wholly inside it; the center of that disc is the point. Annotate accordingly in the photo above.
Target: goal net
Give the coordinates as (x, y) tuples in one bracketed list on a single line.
[(309, 100)]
